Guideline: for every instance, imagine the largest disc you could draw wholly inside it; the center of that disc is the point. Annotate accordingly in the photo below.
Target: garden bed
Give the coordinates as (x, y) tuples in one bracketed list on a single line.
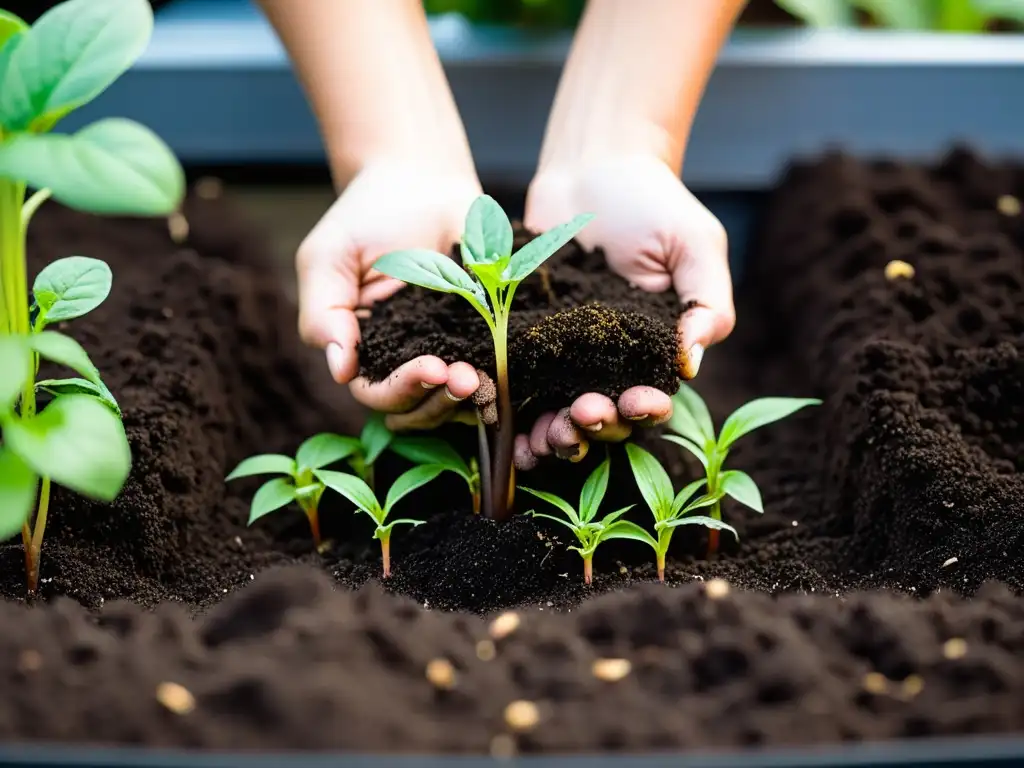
[(857, 607)]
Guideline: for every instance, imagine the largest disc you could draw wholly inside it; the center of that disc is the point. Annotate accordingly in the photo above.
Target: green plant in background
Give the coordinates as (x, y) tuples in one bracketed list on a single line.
[(496, 273), (113, 166), (360, 494), (938, 15), (589, 531), (671, 510), (363, 451), (691, 421), (433, 450)]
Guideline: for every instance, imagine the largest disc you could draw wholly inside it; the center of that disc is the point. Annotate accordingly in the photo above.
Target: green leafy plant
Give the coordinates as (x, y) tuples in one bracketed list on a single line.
[(937, 15), (432, 450), (368, 447), (691, 421), (494, 273), (113, 166), (590, 531), (360, 494), (671, 510)]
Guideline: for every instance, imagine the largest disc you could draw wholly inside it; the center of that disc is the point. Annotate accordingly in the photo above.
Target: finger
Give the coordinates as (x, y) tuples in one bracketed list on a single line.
[(404, 388), (645, 406), (463, 381), (565, 438), (327, 298), (599, 419), (438, 407), (522, 456), (539, 435)]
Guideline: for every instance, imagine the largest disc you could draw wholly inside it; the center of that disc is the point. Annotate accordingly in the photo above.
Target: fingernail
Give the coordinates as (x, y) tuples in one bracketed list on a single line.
[(593, 427), (641, 417), (691, 361), (570, 452), (334, 360), (581, 452), (450, 396), (428, 385)]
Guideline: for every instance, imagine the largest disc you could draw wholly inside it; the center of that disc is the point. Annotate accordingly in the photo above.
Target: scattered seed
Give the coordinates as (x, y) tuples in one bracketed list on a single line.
[(716, 589), (955, 648), (178, 226), (611, 670), (441, 674), (1008, 205), (896, 269), (950, 562), (176, 698), (522, 715), (504, 625), (30, 661), (503, 747), (623, 570), (875, 682), (912, 686), (485, 650), (209, 188)]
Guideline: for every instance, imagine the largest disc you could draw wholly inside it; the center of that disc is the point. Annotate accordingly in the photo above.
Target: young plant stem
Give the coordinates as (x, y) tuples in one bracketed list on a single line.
[(35, 550), (715, 462), (385, 554), (588, 569), (504, 433), (664, 539), (310, 508), (483, 490)]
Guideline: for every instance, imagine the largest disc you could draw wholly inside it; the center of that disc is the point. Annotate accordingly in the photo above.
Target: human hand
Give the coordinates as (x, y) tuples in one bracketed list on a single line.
[(656, 235), (386, 207)]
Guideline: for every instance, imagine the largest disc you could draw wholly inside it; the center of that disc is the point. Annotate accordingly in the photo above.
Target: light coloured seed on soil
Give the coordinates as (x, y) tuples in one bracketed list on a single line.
[(178, 226), (950, 562), (875, 682), (505, 625), (611, 670), (177, 698), (896, 269), (30, 661), (503, 747), (716, 589), (522, 715), (209, 188), (912, 686), (955, 648), (1008, 205), (623, 570), (485, 650), (441, 674)]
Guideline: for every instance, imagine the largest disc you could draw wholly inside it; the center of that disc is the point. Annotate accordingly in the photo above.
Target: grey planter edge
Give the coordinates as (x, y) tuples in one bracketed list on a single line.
[(217, 85)]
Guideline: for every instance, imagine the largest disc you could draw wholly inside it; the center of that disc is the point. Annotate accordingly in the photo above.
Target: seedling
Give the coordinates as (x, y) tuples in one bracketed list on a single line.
[(691, 420), (589, 531), (368, 447), (360, 494), (297, 481), (113, 166), (671, 510), (431, 450), (489, 286)]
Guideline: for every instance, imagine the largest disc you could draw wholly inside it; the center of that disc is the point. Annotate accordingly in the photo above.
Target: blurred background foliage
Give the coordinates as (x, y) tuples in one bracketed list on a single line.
[(936, 15)]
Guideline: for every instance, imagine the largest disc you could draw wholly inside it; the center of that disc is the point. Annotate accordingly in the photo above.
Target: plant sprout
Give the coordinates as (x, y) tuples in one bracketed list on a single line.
[(589, 531), (368, 447), (489, 286), (360, 494), (671, 510), (691, 420), (297, 481), (113, 166), (432, 450)]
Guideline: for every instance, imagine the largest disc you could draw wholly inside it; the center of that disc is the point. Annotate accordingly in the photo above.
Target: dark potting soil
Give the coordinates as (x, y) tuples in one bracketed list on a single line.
[(843, 620)]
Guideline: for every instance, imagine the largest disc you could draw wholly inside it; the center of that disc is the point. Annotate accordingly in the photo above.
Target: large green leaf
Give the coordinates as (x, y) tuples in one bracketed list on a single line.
[(430, 450), (689, 445), (324, 449), (10, 25), (375, 437), (18, 486), (69, 57), (264, 464), (742, 487), (488, 235), (758, 413), (433, 270), (114, 166), (543, 247), (690, 416), (624, 529), (63, 350), (707, 522), (15, 368), (652, 479), (71, 287), (594, 490), (407, 482), (555, 501), (65, 387), (77, 442), (271, 496), (353, 489)]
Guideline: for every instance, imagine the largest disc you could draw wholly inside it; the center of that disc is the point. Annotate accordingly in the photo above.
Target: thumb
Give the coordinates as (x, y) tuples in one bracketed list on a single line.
[(704, 285)]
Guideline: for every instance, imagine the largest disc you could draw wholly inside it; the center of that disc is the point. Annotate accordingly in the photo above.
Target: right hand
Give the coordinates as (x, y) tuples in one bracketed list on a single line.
[(386, 207)]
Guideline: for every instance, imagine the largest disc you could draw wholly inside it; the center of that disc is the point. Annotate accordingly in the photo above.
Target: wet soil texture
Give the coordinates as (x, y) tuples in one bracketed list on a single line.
[(877, 597)]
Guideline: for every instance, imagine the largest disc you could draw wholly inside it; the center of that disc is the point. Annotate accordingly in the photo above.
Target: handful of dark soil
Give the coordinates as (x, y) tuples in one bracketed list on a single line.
[(575, 327)]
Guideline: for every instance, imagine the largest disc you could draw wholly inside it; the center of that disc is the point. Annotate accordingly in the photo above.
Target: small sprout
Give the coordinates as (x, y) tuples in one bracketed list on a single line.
[(522, 716), (431, 450), (372, 442), (441, 674), (176, 698), (670, 510), (588, 531), (1008, 205), (691, 421), (611, 670), (504, 625), (955, 648), (486, 650), (951, 561), (359, 493), (298, 482), (896, 270), (716, 589)]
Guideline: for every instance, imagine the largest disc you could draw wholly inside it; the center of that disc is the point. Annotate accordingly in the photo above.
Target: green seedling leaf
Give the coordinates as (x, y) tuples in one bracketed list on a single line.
[(555, 501), (18, 486), (758, 413), (383, 532), (594, 490), (742, 487), (323, 449), (685, 495), (77, 442), (821, 13), (264, 464), (707, 522), (69, 57), (611, 517), (271, 496), (700, 502), (543, 247), (652, 479), (408, 482), (690, 416), (560, 520), (15, 368), (71, 287), (375, 437), (906, 14), (353, 489), (65, 387), (114, 166), (65, 351), (488, 234), (624, 529), (689, 445), (431, 450), (429, 269), (10, 25)]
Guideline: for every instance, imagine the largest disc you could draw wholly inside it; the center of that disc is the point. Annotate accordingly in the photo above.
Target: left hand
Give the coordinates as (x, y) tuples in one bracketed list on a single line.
[(656, 235)]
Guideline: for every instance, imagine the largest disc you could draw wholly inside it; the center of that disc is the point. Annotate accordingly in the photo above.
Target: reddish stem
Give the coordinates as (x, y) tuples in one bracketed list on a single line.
[(588, 570), (661, 568), (385, 553), (314, 521), (502, 490), (712, 543)]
